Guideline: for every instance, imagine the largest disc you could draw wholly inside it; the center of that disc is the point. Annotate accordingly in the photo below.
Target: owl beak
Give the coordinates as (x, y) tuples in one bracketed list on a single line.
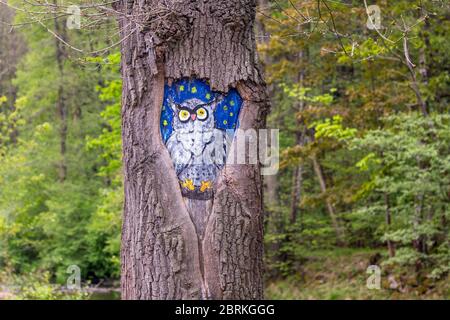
[(193, 117)]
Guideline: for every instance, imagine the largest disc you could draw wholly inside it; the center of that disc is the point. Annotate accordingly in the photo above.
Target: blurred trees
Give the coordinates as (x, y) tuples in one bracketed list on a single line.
[(56, 206), (364, 134), (363, 114)]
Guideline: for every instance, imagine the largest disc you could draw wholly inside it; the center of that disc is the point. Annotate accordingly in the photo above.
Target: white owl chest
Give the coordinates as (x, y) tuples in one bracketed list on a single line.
[(194, 139)]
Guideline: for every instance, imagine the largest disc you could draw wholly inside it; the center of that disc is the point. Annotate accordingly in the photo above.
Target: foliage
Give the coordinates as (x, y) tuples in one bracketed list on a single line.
[(364, 139), (341, 274), (37, 286), (362, 136), (409, 162), (49, 222)]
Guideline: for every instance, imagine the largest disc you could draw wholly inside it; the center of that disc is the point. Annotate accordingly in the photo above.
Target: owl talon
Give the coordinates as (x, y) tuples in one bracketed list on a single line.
[(188, 184), (205, 185)]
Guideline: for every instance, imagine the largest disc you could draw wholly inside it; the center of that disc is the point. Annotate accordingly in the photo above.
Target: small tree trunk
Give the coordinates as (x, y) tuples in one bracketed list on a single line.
[(390, 244), (299, 138), (295, 194), (414, 82), (330, 208), (61, 104), (12, 47), (174, 248), (272, 190)]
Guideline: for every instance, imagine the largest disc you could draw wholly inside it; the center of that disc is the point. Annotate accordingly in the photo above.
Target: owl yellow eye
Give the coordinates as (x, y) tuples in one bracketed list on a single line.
[(184, 115), (202, 114)]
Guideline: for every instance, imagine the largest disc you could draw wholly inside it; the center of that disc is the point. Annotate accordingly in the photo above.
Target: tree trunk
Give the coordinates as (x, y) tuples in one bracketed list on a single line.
[(271, 181), (296, 190), (330, 207), (12, 48), (297, 179), (61, 104), (173, 247), (388, 218)]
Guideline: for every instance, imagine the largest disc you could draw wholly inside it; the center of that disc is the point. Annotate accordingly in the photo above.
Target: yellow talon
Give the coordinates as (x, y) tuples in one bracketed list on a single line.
[(205, 185), (188, 184)]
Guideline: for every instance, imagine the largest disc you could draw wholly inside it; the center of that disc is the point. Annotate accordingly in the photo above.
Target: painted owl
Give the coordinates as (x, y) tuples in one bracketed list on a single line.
[(198, 149)]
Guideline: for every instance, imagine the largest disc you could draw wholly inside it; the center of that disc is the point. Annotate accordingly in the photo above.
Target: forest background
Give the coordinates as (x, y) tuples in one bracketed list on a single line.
[(359, 93)]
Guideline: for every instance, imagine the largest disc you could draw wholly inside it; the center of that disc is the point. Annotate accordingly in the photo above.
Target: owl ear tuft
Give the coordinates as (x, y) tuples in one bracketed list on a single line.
[(174, 106), (218, 99)]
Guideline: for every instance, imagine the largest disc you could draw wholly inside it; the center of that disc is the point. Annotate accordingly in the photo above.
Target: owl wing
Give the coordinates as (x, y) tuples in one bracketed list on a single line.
[(226, 147), (216, 150), (181, 157)]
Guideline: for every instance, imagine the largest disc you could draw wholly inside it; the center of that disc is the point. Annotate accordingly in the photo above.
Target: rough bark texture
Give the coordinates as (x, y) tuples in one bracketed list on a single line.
[(173, 248)]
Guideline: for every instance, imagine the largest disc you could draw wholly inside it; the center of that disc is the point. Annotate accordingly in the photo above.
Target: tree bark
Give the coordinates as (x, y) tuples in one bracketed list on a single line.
[(165, 255)]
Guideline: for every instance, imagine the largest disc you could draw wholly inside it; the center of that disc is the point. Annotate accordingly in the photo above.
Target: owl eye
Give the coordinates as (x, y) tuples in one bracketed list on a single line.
[(184, 115), (202, 114)]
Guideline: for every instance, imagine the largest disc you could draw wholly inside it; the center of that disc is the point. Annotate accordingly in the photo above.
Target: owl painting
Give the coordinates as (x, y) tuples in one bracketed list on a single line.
[(196, 125)]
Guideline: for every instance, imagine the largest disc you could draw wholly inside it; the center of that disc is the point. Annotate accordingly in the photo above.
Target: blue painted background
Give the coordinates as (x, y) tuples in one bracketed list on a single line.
[(226, 113)]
